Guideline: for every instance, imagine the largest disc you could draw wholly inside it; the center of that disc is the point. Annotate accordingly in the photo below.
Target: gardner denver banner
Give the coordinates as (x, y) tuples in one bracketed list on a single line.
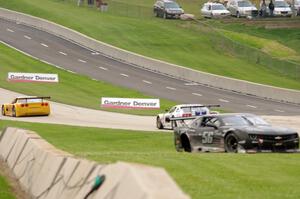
[(32, 77), (130, 103)]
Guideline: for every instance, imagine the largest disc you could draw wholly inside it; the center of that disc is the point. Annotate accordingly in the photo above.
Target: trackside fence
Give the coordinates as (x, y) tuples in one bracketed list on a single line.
[(221, 43), (226, 45), (120, 8)]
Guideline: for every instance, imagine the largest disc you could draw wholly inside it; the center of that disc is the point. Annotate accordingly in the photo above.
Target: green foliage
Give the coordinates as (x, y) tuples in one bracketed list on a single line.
[(5, 190), (72, 89), (184, 43), (201, 175)]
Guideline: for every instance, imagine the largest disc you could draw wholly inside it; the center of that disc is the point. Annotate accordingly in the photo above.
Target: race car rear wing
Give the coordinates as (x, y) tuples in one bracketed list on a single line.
[(180, 121), (182, 118), (211, 105), (34, 97)]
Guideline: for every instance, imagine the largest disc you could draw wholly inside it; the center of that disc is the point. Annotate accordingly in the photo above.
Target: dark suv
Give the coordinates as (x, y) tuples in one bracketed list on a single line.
[(167, 9)]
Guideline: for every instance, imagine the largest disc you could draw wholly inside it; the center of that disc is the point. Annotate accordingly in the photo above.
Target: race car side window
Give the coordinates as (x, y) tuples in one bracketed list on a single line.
[(210, 120), (196, 123), (172, 110), (205, 121), (21, 101), (215, 121)]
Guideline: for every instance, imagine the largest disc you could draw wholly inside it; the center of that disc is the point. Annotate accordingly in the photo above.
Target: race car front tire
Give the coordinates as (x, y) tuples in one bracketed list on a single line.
[(14, 112), (159, 125), (3, 111), (231, 143)]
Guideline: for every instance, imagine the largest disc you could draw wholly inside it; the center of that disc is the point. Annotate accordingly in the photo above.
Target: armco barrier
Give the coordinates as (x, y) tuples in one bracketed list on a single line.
[(47, 173), (216, 81)]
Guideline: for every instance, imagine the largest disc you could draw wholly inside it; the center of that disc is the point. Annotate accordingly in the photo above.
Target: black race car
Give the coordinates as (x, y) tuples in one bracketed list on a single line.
[(233, 133)]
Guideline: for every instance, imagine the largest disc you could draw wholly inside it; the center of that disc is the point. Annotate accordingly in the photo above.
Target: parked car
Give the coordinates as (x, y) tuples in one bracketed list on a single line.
[(182, 111), (27, 106), (281, 8), (167, 9), (232, 133), (241, 8), (214, 10), (297, 6)]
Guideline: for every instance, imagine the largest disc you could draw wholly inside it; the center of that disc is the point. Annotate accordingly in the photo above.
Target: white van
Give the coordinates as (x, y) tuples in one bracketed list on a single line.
[(240, 8)]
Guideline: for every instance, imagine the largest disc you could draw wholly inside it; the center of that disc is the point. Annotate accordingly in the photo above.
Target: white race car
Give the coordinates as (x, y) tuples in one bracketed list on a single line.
[(182, 110)]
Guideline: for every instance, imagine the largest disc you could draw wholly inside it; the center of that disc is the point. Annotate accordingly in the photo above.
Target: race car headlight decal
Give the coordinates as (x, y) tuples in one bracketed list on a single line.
[(253, 137)]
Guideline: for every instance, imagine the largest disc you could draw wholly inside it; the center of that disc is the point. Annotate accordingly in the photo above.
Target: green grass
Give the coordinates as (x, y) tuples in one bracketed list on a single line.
[(5, 189), (272, 47), (287, 37), (70, 89), (209, 175), (183, 43)]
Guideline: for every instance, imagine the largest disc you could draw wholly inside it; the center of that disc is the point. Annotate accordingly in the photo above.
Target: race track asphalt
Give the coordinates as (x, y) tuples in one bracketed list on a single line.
[(77, 59), (77, 116)]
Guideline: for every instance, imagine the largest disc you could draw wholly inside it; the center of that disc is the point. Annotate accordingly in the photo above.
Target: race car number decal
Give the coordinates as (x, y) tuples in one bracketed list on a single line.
[(207, 137)]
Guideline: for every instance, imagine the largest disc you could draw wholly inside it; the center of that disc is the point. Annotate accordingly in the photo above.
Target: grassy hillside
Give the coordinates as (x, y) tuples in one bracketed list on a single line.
[(5, 190), (207, 175), (183, 43), (69, 90)]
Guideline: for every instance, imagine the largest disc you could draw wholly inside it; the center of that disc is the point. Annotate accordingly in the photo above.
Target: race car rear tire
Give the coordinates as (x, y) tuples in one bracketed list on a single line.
[(3, 111), (173, 125), (14, 111), (159, 125), (186, 145), (231, 143)]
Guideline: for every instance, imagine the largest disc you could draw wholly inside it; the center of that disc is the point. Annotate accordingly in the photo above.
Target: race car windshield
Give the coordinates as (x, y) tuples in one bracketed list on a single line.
[(235, 120), (194, 109), (257, 121), (218, 7), (244, 4), (171, 5), (35, 100)]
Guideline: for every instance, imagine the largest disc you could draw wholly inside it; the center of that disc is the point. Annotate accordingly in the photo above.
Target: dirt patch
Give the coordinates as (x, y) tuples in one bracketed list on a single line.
[(16, 189)]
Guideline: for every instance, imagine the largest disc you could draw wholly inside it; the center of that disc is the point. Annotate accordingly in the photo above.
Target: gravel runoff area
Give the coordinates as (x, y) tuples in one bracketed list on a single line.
[(77, 116)]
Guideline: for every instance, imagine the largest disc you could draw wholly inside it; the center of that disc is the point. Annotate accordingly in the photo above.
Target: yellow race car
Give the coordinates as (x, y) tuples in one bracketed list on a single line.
[(27, 106)]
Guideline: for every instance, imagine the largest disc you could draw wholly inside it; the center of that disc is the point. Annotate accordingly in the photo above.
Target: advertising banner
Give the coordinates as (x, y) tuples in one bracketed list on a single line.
[(32, 77), (130, 103)]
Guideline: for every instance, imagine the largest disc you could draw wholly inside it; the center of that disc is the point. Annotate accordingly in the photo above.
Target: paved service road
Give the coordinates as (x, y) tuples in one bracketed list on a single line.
[(77, 59), (76, 116)]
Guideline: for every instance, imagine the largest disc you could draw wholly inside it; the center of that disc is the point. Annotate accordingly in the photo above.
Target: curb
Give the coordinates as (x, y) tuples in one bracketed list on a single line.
[(46, 172)]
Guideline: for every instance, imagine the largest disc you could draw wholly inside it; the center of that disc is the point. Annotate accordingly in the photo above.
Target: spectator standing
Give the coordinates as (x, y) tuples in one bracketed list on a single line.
[(90, 3), (263, 8), (271, 8)]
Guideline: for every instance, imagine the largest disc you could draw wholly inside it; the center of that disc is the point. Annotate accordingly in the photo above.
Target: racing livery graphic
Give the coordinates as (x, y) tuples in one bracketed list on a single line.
[(233, 133)]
